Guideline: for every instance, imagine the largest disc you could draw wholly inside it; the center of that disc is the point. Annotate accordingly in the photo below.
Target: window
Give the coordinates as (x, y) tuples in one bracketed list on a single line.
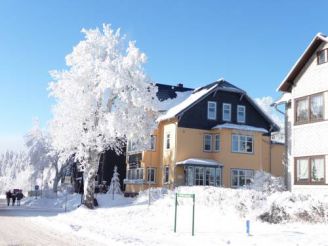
[(207, 142), (211, 110), (316, 107), (166, 174), (168, 141), (210, 176), (196, 175), (151, 175), (217, 142), (132, 146), (152, 142), (309, 109), (302, 110), (242, 144), (241, 177), (135, 174), (310, 170), (199, 176), (226, 112), (241, 114), (322, 56)]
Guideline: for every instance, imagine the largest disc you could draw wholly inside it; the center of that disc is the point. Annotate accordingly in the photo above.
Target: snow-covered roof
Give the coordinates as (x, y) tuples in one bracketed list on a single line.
[(288, 80), (240, 127), (201, 92), (286, 97), (195, 96), (200, 162), (170, 103)]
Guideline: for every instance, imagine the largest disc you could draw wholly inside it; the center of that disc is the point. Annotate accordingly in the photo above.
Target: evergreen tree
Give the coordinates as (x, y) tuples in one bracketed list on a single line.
[(115, 187)]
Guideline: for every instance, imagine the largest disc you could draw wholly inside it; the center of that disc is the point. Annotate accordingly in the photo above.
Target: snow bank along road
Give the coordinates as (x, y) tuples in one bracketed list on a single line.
[(18, 228)]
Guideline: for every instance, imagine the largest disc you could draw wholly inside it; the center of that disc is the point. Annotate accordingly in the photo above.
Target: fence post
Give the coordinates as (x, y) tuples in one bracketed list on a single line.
[(175, 213)]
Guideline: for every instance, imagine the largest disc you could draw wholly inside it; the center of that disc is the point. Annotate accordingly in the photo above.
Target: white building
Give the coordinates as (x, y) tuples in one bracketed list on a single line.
[(305, 94)]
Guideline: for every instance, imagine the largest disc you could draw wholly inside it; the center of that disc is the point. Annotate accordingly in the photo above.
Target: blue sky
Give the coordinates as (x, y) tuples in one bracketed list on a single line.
[(252, 44)]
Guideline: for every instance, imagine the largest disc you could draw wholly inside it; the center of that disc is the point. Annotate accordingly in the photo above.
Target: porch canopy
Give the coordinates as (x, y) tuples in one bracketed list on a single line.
[(200, 162)]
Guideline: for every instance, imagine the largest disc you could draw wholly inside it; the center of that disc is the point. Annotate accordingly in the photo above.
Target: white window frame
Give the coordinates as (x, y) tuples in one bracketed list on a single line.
[(246, 171), (166, 174), (168, 141), (223, 114), (211, 104), (243, 119), (204, 137), (153, 142), (239, 150), (216, 137), (135, 174), (149, 175)]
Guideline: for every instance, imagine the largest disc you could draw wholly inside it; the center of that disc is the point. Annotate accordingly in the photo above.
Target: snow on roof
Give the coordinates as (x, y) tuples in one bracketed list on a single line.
[(172, 112), (170, 103), (284, 98), (197, 161), (240, 127)]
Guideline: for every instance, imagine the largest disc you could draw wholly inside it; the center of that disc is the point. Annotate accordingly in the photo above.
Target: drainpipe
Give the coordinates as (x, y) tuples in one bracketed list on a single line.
[(285, 157), (175, 154)]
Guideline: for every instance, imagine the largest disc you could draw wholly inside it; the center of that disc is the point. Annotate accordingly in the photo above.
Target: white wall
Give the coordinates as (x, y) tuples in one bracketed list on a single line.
[(309, 139)]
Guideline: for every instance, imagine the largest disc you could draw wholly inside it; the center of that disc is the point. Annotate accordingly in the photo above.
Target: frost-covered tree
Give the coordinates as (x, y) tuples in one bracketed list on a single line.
[(43, 158), (38, 150), (115, 187), (15, 170), (103, 98)]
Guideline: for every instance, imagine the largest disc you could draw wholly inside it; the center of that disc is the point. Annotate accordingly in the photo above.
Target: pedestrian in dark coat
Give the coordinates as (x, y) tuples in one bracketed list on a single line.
[(13, 197), (8, 196), (20, 196)]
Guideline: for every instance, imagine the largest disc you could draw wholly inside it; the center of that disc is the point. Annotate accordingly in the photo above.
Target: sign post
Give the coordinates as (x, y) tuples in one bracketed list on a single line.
[(177, 195)]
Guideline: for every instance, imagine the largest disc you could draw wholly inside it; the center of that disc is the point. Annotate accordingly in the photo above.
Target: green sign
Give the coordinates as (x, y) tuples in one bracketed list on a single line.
[(185, 195)]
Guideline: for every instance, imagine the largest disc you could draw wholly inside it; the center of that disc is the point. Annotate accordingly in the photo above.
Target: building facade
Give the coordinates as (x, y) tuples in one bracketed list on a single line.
[(305, 95), (216, 136)]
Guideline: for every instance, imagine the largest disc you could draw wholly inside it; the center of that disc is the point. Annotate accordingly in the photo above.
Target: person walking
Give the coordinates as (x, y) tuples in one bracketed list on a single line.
[(20, 196), (13, 197), (8, 196)]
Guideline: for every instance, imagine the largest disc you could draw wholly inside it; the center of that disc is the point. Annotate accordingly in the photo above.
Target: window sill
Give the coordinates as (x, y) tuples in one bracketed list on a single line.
[(244, 153), (307, 183), (133, 181), (308, 122)]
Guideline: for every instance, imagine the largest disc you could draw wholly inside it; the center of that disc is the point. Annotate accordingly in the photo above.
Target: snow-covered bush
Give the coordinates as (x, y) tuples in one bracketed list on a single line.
[(276, 207), (265, 182), (285, 207)]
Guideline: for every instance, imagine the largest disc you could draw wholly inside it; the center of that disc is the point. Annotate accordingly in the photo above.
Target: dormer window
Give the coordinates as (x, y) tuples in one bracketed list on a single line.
[(211, 110), (322, 56), (241, 114), (226, 112)]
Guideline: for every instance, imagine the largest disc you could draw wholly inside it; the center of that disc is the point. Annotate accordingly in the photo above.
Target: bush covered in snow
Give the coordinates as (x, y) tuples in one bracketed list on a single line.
[(272, 207), (265, 182)]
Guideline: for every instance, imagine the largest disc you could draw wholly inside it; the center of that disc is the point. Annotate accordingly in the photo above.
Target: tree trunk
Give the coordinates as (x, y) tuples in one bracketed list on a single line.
[(89, 176), (56, 182)]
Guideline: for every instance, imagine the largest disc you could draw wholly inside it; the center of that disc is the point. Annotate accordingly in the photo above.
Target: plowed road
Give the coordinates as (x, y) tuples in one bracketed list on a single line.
[(17, 227)]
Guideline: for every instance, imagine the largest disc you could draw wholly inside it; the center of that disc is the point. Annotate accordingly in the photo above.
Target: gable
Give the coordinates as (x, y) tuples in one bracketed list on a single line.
[(313, 77), (196, 116), (288, 81)]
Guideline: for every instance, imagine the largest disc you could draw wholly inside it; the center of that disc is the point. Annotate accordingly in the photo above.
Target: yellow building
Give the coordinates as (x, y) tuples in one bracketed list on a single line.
[(217, 136)]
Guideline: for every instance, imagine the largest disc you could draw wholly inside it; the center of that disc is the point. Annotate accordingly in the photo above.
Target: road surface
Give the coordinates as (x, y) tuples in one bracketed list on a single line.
[(17, 227)]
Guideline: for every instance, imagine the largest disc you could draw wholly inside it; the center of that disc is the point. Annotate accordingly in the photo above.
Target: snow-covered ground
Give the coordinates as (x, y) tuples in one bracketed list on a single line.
[(220, 218)]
